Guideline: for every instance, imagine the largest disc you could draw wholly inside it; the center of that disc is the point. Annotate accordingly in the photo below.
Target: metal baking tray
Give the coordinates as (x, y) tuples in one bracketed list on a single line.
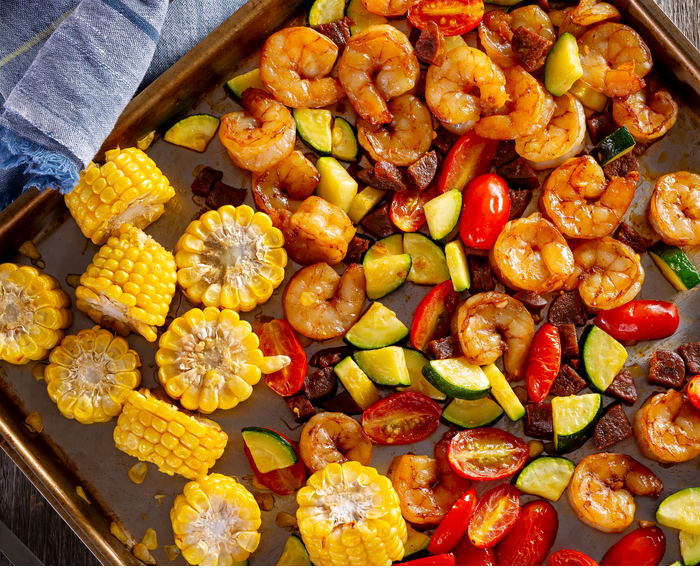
[(68, 454)]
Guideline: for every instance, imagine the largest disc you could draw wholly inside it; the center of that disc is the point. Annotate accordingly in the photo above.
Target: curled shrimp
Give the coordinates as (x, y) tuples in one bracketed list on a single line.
[(614, 59), (389, 8), (333, 438), (466, 85), (259, 137), (531, 254), (592, 12), (285, 184), (322, 305), (602, 490), (491, 324), (405, 139), (582, 203), (667, 428), (378, 64), (648, 113), (608, 273), (674, 209), (294, 65)]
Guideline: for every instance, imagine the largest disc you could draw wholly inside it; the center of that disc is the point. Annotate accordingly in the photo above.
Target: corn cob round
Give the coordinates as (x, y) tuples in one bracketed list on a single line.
[(350, 515), (129, 284), (230, 258), (91, 375), (34, 311), (155, 431), (128, 188), (215, 521)]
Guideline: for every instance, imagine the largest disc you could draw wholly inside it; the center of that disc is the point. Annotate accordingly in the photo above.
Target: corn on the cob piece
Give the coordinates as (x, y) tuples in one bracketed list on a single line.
[(129, 284), (350, 515), (91, 375), (128, 188), (33, 313), (155, 431), (230, 258), (215, 521)]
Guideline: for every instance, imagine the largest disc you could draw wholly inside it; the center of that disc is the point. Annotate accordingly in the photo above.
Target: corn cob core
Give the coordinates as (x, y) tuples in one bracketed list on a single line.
[(91, 375), (128, 188), (129, 284), (34, 311), (155, 431), (215, 521), (231, 258), (350, 515)]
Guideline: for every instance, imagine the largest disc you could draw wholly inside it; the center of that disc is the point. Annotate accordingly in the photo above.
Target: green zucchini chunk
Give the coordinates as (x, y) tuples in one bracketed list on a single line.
[(294, 553), (473, 413), (574, 418), (386, 274), (326, 12), (270, 451), (193, 132), (603, 358), (234, 87), (377, 328), (392, 245), (385, 366), (613, 146), (344, 141), (547, 477), (362, 17), (675, 265), (442, 214), (457, 378), (336, 186), (314, 128), (563, 66), (690, 548), (681, 511), (429, 266), (457, 265), (415, 361), (503, 393), (357, 384)]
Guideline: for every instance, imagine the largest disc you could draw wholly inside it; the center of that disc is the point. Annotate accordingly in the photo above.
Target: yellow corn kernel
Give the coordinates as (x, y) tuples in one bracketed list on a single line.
[(150, 540), (350, 515), (38, 371), (81, 493), (204, 437), (118, 532), (215, 521), (285, 520), (128, 188), (34, 422), (141, 553), (137, 473), (171, 551), (139, 305), (230, 237)]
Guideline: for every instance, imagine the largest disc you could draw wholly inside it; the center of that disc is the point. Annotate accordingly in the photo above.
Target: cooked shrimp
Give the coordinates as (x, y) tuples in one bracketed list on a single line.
[(531, 254), (390, 8), (561, 19), (648, 114), (561, 139), (321, 305), (614, 59), (378, 64), (491, 324), (294, 65), (285, 184), (674, 209), (591, 12), (602, 490), (333, 437), (608, 273), (667, 428), (259, 137), (465, 86), (403, 140), (582, 203)]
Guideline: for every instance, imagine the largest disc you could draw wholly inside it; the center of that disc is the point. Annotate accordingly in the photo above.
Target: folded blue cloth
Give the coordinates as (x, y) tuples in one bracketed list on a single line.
[(69, 67)]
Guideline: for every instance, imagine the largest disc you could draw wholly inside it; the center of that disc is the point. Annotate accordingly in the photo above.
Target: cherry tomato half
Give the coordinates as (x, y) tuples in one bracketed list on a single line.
[(643, 546), (532, 536), (454, 525), (431, 321), (407, 211), (694, 391), (453, 17), (433, 560), (484, 212), (640, 320), (543, 362), (401, 419), (284, 481), (496, 513), (570, 558), (487, 453), (278, 339), (471, 156), (469, 555)]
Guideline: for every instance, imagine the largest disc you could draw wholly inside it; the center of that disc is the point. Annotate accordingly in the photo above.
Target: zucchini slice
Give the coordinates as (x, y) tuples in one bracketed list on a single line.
[(234, 87), (377, 328), (457, 265), (385, 366), (193, 132), (690, 548), (503, 393), (415, 361), (363, 203), (392, 245), (415, 543), (336, 186), (457, 378), (294, 553), (429, 264), (325, 12), (613, 146), (314, 128), (386, 274), (452, 42), (563, 66), (574, 418), (442, 214), (270, 450), (547, 477), (603, 358), (362, 17), (357, 384), (675, 265), (344, 141), (471, 414), (681, 511), (589, 97)]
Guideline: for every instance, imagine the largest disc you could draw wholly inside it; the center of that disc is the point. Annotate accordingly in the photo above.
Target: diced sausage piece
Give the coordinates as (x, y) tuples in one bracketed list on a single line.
[(640, 148), (629, 236), (480, 271), (532, 301), (414, 35), (300, 406), (575, 363), (430, 47), (519, 200), (505, 153), (568, 382), (567, 309), (385, 177), (422, 172), (366, 176), (623, 388), (625, 164), (612, 428), (600, 126), (538, 421), (529, 47), (545, 5), (222, 195), (330, 356), (569, 341), (320, 385), (519, 174), (379, 221), (354, 170), (338, 32), (667, 370), (448, 347), (357, 249), (472, 39), (342, 403), (201, 186), (690, 353), (444, 140)]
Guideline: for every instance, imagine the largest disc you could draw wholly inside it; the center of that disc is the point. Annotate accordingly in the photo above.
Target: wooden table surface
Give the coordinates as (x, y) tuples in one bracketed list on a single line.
[(34, 521)]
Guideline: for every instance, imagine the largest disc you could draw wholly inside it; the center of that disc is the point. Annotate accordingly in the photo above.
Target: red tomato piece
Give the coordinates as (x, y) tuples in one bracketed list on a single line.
[(277, 338), (401, 419), (543, 362), (444, 559), (453, 17), (694, 391), (496, 513), (643, 546), (532, 536), (283, 481), (570, 558), (640, 320), (454, 525), (468, 554), (471, 156), (484, 212), (431, 321), (406, 209), (487, 453)]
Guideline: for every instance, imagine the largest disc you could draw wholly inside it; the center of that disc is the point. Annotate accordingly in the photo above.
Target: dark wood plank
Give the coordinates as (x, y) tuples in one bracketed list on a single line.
[(686, 15)]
